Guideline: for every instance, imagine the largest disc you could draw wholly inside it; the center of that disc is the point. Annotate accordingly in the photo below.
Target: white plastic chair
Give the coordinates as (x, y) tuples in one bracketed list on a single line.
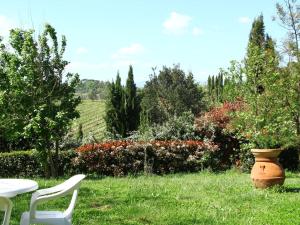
[(44, 195), (5, 206)]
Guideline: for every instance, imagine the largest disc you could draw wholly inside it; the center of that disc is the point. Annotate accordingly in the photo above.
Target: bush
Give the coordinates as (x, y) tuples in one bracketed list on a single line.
[(20, 164), (176, 128), (119, 158), (214, 125), (26, 164)]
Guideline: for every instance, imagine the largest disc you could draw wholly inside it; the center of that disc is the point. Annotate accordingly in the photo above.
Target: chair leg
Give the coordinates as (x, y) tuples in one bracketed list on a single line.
[(7, 212), (68, 222), (24, 222)]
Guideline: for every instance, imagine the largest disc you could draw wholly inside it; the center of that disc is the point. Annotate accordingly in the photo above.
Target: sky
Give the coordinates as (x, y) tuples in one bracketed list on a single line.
[(104, 37)]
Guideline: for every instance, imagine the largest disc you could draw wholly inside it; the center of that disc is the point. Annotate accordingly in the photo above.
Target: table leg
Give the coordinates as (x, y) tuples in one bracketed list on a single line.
[(6, 206)]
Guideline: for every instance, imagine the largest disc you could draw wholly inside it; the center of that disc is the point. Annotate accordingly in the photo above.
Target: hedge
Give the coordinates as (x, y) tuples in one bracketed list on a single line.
[(159, 157), (19, 163), (119, 158), (26, 164)]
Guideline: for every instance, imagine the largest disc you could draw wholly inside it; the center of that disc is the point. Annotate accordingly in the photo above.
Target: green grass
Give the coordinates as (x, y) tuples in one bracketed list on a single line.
[(202, 198), (91, 118)]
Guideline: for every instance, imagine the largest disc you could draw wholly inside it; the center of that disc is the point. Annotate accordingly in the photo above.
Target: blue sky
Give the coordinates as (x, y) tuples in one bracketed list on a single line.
[(106, 36)]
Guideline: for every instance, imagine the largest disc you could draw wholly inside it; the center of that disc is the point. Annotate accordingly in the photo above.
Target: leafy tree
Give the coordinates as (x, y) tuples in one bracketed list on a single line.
[(288, 15), (132, 104), (38, 103), (170, 93), (265, 122), (18, 69), (234, 82)]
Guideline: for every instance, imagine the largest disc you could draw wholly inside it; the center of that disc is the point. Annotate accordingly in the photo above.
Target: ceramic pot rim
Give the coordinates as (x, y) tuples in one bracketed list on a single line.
[(262, 150), (266, 153)]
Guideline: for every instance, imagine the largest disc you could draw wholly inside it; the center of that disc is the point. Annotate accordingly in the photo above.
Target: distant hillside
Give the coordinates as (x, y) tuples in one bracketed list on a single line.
[(92, 89), (91, 117)]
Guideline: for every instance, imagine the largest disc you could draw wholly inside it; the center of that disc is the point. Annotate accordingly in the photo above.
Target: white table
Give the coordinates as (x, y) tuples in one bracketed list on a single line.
[(11, 187)]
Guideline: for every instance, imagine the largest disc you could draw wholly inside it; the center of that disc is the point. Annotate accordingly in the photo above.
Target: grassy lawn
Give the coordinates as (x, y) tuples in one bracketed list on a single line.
[(201, 198)]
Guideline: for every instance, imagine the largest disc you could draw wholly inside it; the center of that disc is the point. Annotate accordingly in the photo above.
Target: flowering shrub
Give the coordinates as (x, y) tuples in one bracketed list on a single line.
[(215, 125), (104, 145), (160, 157), (219, 117)]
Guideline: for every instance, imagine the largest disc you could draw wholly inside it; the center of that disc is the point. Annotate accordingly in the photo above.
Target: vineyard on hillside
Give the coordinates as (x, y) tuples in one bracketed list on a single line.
[(91, 117)]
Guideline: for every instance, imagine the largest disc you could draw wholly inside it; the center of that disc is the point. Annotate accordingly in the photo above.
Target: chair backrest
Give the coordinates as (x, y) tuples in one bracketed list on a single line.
[(69, 186), (6, 206)]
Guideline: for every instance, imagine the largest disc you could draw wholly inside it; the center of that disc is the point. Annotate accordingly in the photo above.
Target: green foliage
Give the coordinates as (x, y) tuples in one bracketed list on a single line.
[(246, 158), (36, 101), (132, 103), (19, 164), (18, 70), (115, 117), (265, 122), (234, 82), (170, 93), (176, 128), (215, 88), (122, 107), (118, 158), (213, 126), (288, 16), (27, 164)]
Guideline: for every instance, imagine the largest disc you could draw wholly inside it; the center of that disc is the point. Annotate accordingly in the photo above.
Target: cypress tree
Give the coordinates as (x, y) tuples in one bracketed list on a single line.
[(115, 111), (255, 58), (120, 107), (132, 107), (217, 88), (212, 95), (209, 85), (110, 110), (213, 82), (261, 64), (257, 33)]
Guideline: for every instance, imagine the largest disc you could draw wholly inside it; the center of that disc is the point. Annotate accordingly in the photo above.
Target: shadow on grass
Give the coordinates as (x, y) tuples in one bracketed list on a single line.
[(282, 189), (291, 189)]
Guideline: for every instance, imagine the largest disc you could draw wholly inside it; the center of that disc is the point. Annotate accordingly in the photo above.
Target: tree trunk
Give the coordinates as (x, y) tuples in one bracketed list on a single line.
[(52, 165)]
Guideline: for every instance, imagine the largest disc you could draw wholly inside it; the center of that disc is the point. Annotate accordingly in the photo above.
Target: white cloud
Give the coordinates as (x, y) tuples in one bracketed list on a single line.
[(5, 25), (244, 20), (197, 31), (133, 49), (81, 50), (176, 23)]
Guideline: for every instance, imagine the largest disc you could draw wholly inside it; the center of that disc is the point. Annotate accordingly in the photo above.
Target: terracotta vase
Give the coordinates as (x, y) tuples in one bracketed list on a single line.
[(267, 171)]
